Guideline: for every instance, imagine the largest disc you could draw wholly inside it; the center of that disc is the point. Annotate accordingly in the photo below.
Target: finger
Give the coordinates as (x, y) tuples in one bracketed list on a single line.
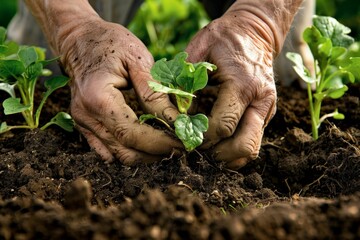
[(225, 114), (244, 145), (96, 144), (108, 151)]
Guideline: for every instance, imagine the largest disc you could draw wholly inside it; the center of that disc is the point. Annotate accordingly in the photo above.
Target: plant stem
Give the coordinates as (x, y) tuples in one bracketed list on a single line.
[(312, 113), (17, 127)]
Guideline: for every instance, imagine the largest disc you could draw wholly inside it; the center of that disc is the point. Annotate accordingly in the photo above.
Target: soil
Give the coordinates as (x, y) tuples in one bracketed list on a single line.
[(53, 186)]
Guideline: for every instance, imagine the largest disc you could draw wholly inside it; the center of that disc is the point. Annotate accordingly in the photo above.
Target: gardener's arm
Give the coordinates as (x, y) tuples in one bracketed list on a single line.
[(102, 57), (243, 44)]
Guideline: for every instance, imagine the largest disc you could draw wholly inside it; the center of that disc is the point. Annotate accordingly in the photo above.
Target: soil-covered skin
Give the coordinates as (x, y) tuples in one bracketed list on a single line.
[(52, 186)]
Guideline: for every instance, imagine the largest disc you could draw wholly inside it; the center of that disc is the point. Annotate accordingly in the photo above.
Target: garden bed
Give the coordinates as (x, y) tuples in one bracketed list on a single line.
[(54, 187)]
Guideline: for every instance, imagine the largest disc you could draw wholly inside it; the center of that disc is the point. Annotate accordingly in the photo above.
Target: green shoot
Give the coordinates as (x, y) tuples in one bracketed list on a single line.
[(182, 79), (20, 69), (329, 42)]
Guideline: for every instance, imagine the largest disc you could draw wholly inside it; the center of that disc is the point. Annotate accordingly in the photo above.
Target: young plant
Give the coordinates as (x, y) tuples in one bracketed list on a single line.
[(20, 69), (182, 79), (328, 41)]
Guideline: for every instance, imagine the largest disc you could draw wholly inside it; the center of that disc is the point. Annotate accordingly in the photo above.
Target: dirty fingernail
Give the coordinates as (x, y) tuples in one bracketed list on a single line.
[(170, 114)]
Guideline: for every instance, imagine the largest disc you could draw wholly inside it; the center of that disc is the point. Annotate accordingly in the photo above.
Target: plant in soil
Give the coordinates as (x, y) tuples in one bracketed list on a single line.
[(328, 41), (183, 79), (20, 69)]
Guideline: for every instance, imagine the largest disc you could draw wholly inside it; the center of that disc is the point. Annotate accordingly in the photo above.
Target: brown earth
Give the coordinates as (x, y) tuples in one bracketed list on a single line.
[(52, 186)]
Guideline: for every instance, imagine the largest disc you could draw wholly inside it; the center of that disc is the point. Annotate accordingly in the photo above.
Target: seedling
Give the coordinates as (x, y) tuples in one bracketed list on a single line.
[(182, 79), (20, 69), (328, 41)]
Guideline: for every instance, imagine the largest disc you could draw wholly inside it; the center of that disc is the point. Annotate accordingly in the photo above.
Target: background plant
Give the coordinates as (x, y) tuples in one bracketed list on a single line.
[(20, 69), (182, 79), (334, 66), (166, 26)]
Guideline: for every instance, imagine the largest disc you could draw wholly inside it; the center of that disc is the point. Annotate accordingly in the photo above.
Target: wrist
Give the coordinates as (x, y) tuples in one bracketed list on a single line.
[(59, 19)]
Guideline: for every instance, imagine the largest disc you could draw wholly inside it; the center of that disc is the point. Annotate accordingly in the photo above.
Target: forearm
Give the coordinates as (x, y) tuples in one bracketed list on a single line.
[(270, 18), (58, 18)]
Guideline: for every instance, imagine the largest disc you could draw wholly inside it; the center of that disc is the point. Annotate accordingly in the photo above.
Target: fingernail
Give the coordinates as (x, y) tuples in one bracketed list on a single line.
[(170, 114), (237, 164)]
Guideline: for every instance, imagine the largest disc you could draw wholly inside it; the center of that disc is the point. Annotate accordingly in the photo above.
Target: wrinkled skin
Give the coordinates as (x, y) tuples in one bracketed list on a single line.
[(247, 94), (101, 58)]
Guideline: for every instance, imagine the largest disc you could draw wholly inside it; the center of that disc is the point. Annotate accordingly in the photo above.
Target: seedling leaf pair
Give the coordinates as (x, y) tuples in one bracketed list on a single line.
[(183, 79)]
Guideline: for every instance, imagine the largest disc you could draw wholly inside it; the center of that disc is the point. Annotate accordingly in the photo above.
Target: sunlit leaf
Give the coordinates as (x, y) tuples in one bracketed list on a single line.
[(157, 87), (338, 33), (3, 127), (63, 120), (28, 56), (190, 129), (11, 68), (300, 68), (9, 88), (13, 105)]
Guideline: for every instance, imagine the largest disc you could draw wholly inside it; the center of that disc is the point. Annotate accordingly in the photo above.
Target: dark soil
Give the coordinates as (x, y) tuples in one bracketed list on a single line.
[(52, 186)]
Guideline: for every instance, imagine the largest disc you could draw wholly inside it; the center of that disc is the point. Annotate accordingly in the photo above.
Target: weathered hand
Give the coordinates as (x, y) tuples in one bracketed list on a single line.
[(101, 58), (247, 94)]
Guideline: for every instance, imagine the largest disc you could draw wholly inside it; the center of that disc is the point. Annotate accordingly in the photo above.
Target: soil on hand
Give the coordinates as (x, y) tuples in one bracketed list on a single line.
[(53, 186)]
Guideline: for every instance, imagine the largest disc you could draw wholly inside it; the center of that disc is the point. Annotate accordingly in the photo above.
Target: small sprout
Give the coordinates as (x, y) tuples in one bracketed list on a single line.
[(183, 79), (328, 41), (20, 68)]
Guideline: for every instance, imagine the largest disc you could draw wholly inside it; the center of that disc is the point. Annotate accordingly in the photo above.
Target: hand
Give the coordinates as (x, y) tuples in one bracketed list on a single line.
[(101, 58), (247, 94)]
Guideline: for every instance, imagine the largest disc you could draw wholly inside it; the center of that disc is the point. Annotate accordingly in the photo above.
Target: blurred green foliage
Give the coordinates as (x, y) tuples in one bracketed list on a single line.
[(345, 11), (166, 26), (7, 11)]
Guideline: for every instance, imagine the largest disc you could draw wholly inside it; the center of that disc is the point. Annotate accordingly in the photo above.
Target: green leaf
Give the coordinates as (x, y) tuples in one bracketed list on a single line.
[(339, 116), (54, 83), (337, 93), (354, 67), (41, 55), (11, 68), (325, 48), (185, 80), (28, 55), (330, 28), (144, 117), (157, 87), (47, 62), (13, 105), (3, 127), (337, 52), (201, 74), (190, 129), (34, 70), (313, 38), (167, 71), (63, 120), (299, 67), (2, 35), (9, 49), (9, 88)]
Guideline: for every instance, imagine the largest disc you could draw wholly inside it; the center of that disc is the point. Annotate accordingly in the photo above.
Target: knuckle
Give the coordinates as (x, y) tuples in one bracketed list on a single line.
[(228, 124), (125, 157), (266, 100), (249, 148), (124, 135)]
